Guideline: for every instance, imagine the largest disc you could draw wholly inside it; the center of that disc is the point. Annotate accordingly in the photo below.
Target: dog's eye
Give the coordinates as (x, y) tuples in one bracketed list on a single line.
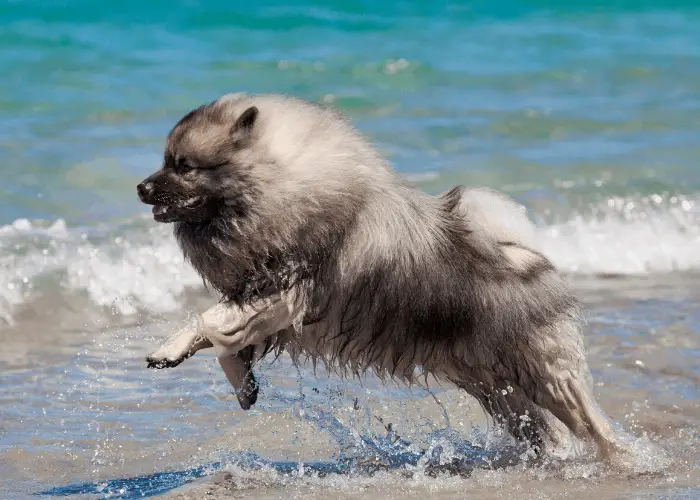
[(185, 167)]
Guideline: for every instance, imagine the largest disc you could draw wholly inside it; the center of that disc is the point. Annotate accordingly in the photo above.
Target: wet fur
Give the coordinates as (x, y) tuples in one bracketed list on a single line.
[(389, 278)]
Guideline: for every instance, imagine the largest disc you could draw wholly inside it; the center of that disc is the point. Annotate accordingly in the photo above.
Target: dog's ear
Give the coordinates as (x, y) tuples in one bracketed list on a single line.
[(243, 127)]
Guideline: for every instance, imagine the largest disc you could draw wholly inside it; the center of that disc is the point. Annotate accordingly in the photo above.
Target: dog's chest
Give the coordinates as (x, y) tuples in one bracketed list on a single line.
[(245, 280)]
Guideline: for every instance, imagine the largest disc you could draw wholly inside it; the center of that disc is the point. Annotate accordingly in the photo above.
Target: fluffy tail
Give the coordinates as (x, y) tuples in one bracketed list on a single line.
[(497, 216)]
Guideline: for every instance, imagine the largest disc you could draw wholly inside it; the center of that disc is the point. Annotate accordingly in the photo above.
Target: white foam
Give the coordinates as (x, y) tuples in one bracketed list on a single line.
[(627, 237), (142, 270)]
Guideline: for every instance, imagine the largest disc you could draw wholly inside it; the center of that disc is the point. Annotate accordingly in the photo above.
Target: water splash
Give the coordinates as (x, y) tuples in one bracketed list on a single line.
[(136, 487), (379, 454), (363, 454)]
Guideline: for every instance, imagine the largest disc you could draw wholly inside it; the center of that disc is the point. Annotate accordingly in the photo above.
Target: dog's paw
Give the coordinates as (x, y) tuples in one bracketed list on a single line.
[(156, 361), (248, 397)]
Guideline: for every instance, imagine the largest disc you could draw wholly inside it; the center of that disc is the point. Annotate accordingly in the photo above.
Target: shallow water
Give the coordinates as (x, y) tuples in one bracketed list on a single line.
[(589, 116), (84, 415)]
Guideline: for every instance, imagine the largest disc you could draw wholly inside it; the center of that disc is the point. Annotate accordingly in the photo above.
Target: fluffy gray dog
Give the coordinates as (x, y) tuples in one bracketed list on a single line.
[(318, 247)]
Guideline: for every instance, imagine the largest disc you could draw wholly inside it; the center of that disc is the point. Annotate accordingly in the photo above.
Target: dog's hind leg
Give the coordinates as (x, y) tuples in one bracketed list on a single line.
[(548, 381), (569, 396), (523, 419), (555, 375)]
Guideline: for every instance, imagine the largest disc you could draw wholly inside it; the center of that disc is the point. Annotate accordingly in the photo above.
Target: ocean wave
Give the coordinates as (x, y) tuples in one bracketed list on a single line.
[(137, 267), (627, 236), (131, 269)]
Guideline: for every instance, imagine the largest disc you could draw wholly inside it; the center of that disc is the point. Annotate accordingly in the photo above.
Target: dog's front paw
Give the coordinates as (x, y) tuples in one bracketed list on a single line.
[(247, 400), (248, 396), (159, 360)]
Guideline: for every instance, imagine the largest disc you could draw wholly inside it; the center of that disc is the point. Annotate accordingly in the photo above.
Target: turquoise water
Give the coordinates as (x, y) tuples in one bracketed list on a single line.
[(588, 112), (521, 95)]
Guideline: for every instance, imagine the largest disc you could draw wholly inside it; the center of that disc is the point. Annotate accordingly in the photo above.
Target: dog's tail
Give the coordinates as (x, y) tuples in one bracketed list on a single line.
[(497, 216)]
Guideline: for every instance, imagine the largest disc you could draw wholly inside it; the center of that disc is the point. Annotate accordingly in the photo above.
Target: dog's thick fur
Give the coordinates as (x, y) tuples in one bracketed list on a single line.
[(319, 247)]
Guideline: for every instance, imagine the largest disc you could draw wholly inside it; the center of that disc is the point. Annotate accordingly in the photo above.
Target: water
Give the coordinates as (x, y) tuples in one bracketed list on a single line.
[(586, 112)]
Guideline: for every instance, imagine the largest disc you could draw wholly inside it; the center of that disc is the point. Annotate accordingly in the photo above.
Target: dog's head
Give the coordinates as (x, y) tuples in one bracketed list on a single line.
[(205, 169)]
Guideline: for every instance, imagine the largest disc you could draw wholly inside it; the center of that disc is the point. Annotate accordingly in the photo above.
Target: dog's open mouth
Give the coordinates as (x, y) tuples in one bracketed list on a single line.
[(172, 212)]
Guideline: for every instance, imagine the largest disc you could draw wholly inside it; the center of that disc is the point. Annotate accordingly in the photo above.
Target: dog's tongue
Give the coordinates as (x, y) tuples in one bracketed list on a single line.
[(159, 209)]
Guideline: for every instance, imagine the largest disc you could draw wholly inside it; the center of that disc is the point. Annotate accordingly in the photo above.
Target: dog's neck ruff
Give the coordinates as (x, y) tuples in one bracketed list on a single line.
[(243, 267)]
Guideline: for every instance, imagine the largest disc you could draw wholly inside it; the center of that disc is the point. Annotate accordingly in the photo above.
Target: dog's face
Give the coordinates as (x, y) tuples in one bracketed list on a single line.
[(204, 169)]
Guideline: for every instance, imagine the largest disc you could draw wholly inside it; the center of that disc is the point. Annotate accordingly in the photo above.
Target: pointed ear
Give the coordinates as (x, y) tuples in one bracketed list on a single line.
[(244, 124)]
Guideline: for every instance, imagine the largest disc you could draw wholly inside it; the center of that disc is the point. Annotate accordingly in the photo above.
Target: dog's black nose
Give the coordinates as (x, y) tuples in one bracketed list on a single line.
[(144, 190)]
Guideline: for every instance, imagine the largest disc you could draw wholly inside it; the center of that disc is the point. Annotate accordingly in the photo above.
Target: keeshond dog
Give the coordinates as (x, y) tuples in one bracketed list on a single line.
[(318, 247)]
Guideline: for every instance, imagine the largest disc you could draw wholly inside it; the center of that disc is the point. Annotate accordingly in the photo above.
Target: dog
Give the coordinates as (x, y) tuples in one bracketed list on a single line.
[(318, 247)]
